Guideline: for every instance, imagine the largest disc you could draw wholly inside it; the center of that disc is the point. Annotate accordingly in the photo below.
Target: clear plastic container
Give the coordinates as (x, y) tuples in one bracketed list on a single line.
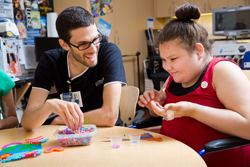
[(116, 142), (134, 138), (67, 137)]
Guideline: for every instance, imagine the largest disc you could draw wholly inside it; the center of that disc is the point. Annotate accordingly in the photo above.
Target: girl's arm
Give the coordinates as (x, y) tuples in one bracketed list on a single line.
[(11, 121)]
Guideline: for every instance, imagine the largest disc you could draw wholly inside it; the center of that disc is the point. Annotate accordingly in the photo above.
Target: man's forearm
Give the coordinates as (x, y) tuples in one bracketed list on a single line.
[(34, 117), (101, 117)]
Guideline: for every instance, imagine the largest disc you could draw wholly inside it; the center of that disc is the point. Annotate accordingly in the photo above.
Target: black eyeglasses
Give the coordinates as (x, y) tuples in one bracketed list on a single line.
[(87, 45)]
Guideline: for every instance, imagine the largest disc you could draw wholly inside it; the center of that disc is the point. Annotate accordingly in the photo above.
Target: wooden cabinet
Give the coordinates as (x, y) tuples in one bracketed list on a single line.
[(163, 8), (217, 4), (125, 26), (166, 8), (123, 21), (202, 4), (176, 4), (226, 3), (237, 3)]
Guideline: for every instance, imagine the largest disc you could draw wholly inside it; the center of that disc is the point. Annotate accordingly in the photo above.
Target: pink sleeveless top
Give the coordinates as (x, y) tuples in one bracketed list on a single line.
[(196, 134)]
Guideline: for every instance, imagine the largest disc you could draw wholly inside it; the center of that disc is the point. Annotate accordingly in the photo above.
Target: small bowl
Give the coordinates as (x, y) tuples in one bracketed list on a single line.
[(68, 137), (134, 138), (116, 142)]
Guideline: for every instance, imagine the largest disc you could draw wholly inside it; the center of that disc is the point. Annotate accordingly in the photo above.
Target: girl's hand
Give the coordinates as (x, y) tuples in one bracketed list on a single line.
[(180, 109), (148, 96)]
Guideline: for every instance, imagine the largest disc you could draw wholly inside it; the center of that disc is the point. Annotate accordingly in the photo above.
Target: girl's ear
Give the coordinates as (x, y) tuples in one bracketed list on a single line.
[(199, 49), (63, 44)]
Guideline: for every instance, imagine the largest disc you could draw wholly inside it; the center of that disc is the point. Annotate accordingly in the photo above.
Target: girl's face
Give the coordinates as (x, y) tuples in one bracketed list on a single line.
[(183, 66)]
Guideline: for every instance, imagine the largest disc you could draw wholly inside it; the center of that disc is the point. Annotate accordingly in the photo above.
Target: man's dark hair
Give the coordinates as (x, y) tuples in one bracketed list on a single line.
[(72, 18)]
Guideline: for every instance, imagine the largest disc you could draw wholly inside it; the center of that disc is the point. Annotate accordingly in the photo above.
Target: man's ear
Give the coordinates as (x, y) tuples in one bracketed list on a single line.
[(63, 44), (199, 50)]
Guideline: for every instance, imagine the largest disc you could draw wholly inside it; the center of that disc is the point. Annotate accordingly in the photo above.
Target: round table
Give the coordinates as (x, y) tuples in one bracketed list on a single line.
[(169, 152)]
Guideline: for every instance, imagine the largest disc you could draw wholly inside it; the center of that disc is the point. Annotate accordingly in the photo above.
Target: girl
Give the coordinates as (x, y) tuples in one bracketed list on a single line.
[(209, 96)]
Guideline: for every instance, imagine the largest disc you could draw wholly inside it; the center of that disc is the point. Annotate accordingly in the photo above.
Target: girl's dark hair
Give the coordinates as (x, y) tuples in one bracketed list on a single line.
[(185, 30), (72, 18)]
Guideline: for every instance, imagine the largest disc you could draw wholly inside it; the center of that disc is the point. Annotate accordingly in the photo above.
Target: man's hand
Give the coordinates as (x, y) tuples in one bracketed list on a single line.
[(69, 112)]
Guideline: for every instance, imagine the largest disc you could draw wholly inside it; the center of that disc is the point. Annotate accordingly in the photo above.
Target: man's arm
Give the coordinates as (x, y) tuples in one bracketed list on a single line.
[(106, 115), (38, 110)]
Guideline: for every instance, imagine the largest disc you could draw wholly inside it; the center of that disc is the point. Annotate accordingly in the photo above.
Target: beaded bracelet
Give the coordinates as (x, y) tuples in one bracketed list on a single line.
[(146, 135)]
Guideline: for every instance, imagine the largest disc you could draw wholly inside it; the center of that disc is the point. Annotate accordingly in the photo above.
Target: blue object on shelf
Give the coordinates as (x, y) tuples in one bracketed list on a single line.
[(246, 61)]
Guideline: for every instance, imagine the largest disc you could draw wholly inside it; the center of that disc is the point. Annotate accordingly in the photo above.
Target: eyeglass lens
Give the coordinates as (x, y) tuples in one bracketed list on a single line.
[(87, 45)]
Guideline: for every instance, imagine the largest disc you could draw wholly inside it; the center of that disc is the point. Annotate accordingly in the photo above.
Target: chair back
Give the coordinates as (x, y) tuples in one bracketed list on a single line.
[(247, 73), (128, 102)]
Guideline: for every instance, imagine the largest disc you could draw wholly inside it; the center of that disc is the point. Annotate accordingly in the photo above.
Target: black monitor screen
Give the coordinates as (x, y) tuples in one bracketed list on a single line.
[(232, 20), (43, 44)]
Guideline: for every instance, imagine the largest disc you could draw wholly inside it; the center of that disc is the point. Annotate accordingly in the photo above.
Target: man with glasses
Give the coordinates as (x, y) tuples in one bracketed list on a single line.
[(87, 73)]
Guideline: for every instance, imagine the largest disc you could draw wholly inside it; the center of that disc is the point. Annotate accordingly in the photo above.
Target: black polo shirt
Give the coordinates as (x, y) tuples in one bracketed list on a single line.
[(53, 70)]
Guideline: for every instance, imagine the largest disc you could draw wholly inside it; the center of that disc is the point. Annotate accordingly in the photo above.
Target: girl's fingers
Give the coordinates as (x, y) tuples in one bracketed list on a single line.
[(158, 105), (141, 104)]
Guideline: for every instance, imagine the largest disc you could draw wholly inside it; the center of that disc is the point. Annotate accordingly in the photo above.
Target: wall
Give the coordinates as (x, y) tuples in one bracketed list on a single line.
[(60, 5)]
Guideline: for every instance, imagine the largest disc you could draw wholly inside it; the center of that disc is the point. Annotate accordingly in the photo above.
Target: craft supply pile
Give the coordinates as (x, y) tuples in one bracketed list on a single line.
[(82, 136)]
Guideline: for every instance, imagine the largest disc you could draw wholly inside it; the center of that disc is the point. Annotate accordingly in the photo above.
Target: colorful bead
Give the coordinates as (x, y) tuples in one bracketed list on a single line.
[(74, 139)]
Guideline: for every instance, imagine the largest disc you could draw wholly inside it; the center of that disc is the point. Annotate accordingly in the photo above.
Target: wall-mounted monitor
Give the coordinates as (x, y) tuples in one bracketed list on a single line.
[(232, 21), (43, 44)]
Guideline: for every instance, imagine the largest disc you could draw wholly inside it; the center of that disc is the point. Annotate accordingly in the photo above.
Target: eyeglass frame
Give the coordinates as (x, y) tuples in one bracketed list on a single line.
[(89, 43)]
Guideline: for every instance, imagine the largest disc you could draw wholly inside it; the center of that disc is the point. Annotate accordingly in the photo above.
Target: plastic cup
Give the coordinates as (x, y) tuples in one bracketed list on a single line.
[(116, 142), (134, 138)]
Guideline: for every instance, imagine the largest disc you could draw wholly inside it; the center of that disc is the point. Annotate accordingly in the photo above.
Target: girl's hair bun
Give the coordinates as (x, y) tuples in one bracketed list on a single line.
[(187, 12)]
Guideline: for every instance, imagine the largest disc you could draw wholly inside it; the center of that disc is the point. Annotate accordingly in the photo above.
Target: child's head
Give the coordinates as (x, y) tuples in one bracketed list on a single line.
[(186, 31), (184, 46)]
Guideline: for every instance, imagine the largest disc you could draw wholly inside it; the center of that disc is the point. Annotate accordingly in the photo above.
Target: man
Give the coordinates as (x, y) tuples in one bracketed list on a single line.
[(92, 70)]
